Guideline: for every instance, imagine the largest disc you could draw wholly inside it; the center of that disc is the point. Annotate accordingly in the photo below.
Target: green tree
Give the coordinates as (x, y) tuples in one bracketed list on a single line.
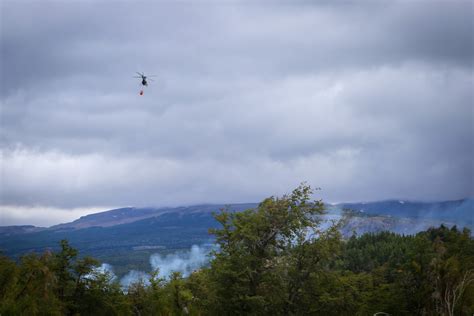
[(255, 250), (34, 292)]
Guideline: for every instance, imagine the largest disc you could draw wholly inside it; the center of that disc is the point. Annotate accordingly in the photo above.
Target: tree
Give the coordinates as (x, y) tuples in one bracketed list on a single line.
[(34, 293), (255, 250)]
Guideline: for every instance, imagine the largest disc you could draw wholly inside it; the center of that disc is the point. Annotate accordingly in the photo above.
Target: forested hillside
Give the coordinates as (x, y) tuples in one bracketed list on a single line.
[(274, 259)]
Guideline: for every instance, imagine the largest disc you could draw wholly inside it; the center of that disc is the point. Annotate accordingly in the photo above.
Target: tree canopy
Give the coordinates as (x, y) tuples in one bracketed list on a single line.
[(271, 260)]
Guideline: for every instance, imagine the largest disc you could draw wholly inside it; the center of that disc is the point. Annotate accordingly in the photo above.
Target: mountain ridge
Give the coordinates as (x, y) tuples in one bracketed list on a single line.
[(448, 210), (126, 237)]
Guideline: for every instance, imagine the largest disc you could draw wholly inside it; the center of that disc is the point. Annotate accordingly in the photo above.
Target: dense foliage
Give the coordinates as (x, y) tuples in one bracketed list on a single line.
[(271, 260)]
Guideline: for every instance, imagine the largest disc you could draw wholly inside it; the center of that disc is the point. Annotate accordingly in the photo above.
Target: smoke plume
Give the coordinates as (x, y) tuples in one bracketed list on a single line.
[(184, 262)]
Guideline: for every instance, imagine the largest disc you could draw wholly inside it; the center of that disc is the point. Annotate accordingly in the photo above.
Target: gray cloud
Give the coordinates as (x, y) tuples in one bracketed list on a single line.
[(370, 100)]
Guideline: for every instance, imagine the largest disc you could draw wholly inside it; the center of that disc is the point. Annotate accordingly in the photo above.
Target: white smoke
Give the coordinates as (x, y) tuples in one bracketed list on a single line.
[(184, 262), (134, 276), (103, 269)]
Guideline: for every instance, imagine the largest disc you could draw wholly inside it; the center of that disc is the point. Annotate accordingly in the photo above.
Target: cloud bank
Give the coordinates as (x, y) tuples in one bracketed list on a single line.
[(368, 100)]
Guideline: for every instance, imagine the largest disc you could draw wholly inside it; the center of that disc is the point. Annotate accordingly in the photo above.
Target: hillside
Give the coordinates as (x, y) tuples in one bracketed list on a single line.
[(127, 237), (124, 237), (260, 267), (458, 211)]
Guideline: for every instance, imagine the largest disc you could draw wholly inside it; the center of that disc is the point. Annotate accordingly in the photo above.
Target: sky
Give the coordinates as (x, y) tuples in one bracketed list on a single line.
[(368, 100)]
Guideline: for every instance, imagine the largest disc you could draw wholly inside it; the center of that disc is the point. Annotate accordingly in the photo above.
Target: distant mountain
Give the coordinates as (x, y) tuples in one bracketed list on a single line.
[(126, 237), (112, 218), (460, 212), (132, 214), (18, 230), (360, 223)]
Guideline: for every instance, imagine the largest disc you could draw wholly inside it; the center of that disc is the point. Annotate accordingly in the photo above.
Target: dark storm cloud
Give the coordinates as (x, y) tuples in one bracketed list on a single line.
[(57, 40), (368, 100)]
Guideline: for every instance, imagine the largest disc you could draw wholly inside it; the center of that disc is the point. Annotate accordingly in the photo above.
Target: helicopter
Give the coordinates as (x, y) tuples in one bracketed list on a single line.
[(144, 80)]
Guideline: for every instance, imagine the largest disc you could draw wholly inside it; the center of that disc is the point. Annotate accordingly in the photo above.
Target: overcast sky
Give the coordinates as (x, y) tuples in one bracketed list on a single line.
[(367, 100)]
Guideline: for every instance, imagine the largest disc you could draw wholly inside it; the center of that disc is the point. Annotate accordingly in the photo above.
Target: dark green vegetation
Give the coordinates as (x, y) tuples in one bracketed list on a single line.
[(127, 237), (123, 245), (273, 259)]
